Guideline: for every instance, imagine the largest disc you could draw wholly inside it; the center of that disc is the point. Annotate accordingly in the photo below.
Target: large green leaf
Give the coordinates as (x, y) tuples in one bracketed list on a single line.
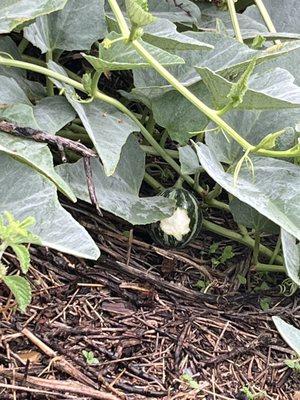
[(189, 162), (274, 191), (253, 126), (123, 56), (266, 90), (285, 15), (16, 12), (33, 195), (229, 58), (291, 252), (50, 114), (76, 27), (289, 333), (246, 215), (175, 113), (184, 11), (108, 129), (53, 113), (32, 89), (118, 193), (163, 33), (36, 155), (11, 92)]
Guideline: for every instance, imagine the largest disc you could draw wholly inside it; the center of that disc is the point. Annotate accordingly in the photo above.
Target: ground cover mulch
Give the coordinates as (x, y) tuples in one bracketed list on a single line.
[(152, 332)]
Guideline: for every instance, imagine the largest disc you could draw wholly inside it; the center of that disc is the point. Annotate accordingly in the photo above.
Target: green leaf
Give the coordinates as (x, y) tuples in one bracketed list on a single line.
[(11, 92), (163, 33), (239, 89), (265, 303), (32, 194), (21, 290), (253, 126), (184, 11), (275, 191), (16, 12), (118, 193), (175, 113), (269, 141), (23, 256), (107, 128), (289, 333), (267, 90), (89, 357), (291, 252), (285, 16), (36, 155), (189, 162), (32, 89), (137, 11), (229, 58), (14, 232), (76, 27), (122, 56), (246, 215)]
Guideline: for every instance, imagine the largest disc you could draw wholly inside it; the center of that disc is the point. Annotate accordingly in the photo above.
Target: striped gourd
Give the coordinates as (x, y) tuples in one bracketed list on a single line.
[(184, 225)]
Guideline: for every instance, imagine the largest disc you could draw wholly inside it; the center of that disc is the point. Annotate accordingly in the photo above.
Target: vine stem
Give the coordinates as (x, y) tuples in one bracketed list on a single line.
[(209, 112), (49, 83), (245, 240), (266, 17), (234, 20)]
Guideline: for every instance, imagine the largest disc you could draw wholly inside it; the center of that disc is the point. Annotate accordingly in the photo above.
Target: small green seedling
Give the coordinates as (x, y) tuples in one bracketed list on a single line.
[(293, 364), (89, 357), (250, 394), (226, 255), (265, 303), (192, 383), (14, 234)]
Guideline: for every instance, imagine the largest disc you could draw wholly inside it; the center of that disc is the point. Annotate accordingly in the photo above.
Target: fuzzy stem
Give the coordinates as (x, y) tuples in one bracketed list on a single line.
[(247, 241), (256, 246), (153, 183), (150, 150), (234, 20), (49, 83), (266, 17), (268, 268), (276, 250)]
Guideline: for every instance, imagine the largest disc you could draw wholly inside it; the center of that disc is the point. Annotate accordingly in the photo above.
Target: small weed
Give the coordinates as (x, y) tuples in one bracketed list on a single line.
[(89, 358)]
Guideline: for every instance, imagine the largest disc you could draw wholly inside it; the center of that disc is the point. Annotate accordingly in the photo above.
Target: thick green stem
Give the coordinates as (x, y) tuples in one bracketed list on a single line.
[(49, 83), (23, 45), (276, 250), (153, 183), (150, 150), (266, 17), (268, 268), (247, 241), (234, 20), (256, 247)]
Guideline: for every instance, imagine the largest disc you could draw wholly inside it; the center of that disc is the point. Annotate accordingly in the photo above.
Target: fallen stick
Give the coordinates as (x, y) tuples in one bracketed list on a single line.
[(63, 386), (58, 361)]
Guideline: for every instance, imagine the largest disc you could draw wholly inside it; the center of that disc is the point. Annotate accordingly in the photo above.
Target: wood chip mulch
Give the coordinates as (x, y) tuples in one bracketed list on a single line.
[(152, 333)]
